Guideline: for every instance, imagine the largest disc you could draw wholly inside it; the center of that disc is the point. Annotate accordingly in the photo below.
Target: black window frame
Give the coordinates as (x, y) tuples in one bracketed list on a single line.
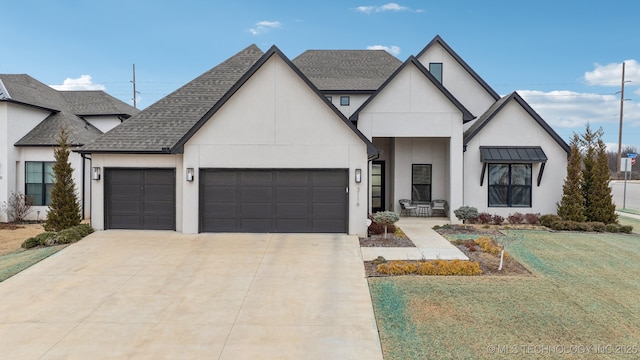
[(510, 187), (437, 76), (330, 98), (415, 192), (345, 100), (42, 197)]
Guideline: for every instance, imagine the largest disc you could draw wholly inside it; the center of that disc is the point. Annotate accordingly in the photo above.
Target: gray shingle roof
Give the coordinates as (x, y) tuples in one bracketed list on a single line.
[(96, 103), (162, 125), (23, 89), (347, 70)]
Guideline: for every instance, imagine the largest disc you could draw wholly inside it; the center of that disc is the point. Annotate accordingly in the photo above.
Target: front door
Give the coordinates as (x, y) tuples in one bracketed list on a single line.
[(377, 186)]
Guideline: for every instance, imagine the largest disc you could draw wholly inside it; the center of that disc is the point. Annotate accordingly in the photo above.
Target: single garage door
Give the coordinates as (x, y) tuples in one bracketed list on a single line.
[(274, 200), (140, 199)]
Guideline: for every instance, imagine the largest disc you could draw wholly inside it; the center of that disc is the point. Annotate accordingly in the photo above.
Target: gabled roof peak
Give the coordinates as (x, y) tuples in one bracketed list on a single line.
[(439, 40)]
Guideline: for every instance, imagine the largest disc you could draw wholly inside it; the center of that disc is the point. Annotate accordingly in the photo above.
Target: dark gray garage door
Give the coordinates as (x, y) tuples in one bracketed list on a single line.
[(140, 199), (273, 200)]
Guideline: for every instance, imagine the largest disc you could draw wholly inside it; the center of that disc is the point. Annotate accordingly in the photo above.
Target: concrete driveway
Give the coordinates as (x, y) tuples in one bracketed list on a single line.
[(165, 295)]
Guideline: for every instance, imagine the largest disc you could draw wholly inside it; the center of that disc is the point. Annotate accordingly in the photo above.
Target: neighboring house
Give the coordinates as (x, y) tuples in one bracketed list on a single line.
[(31, 116), (261, 143)]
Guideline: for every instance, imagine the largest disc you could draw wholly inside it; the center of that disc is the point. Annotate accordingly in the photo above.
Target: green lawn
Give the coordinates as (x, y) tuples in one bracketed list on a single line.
[(585, 292), (13, 263)]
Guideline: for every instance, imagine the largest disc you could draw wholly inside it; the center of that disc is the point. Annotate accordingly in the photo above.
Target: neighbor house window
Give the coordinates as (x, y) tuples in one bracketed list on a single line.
[(39, 180), (436, 70), (329, 98), (421, 183), (344, 100), (510, 185)]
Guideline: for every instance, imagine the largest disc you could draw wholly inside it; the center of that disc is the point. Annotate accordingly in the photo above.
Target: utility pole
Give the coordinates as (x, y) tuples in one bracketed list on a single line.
[(620, 133), (135, 92)]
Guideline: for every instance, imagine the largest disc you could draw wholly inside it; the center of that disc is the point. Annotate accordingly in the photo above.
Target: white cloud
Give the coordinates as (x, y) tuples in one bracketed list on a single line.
[(393, 50), (264, 26), (386, 7), (82, 83), (568, 109), (611, 74)]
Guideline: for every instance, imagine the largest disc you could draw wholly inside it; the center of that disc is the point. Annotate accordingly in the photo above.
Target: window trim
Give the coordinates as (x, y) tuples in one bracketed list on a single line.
[(510, 186), (41, 198), (345, 100), (429, 185)]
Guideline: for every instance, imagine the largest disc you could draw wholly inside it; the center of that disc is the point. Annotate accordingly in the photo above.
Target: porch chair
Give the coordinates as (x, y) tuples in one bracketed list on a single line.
[(440, 205), (407, 208)]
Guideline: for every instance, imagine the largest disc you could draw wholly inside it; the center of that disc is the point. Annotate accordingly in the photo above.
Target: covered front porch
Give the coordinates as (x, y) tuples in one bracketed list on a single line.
[(418, 169)]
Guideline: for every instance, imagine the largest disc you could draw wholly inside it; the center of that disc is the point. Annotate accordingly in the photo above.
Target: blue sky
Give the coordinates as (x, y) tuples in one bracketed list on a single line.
[(564, 56)]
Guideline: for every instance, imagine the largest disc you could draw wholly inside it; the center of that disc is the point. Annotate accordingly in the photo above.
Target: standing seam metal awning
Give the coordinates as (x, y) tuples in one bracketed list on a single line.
[(512, 155)]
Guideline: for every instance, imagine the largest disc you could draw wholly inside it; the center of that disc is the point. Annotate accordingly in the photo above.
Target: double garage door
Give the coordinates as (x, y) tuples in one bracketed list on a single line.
[(273, 200), (232, 200)]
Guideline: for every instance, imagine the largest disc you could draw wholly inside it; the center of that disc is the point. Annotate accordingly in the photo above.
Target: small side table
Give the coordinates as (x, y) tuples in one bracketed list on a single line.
[(424, 210)]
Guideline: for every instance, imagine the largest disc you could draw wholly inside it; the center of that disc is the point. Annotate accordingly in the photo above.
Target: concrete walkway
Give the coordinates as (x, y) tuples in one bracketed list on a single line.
[(429, 244), (165, 295)]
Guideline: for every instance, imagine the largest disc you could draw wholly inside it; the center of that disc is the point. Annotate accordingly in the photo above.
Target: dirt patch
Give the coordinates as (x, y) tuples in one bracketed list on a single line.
[(13, 235)]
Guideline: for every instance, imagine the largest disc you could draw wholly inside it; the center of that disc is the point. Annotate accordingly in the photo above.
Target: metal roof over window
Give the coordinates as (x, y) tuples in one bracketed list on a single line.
[(512, 154)]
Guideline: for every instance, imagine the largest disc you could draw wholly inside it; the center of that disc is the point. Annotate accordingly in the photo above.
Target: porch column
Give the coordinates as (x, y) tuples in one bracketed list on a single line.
[(456, 173)]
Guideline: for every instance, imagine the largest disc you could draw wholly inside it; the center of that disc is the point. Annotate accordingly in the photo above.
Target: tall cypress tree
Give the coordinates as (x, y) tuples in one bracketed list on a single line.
[(64, 211), (588, 142), (601, 207), (571, 206)]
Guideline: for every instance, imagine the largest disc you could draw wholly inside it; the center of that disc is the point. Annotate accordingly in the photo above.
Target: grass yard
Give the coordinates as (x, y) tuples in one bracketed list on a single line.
[(583, 299), (13, 263)]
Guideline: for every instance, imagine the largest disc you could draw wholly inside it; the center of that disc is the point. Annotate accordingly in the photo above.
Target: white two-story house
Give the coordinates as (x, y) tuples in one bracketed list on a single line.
[(31, 117), (262, 143)]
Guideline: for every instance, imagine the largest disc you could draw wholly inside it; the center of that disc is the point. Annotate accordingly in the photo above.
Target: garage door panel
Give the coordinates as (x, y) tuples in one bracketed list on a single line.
[(274, 200), (256, 210), (259, 177), (256, 193), (328, 194), (326, 210), (293, 194), (254, 225), (140, 199), (294, 225), (292, 210)]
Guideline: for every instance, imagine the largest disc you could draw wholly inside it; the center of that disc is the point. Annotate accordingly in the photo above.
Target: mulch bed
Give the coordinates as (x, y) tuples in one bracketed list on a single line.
[(390, 241), (10, 226), (488, 262)]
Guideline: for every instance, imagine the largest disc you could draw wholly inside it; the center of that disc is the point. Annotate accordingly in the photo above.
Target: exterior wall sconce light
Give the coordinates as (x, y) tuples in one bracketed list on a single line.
[(190, 175), (95, 173), (358, 175)]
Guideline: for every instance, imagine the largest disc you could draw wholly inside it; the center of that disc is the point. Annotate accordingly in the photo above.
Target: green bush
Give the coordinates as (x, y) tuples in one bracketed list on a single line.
[(84, 229), (627, 229), (548, 219), (612, 228), (30, 243), (46, 238), (68, 236), (598, 226)]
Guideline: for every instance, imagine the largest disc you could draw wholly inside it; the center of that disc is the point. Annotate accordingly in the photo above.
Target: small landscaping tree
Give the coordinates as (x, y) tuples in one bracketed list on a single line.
[(18, 207), (386, 218), (466, 213), (64, 211)]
